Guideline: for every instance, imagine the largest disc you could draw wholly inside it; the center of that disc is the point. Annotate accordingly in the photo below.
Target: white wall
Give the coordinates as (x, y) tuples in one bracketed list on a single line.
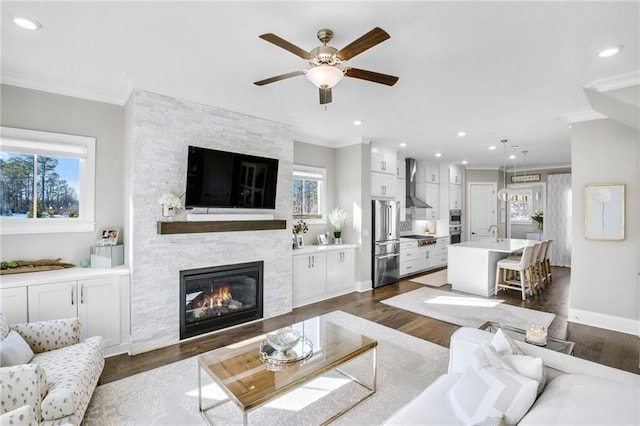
[(36, 110), (605, 286)]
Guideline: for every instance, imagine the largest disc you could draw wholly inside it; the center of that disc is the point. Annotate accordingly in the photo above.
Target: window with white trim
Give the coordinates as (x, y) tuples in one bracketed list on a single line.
[(47, 182), (309, 196)]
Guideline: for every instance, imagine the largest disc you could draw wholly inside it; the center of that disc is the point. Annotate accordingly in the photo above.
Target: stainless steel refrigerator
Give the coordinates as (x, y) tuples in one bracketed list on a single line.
[(385, 265)]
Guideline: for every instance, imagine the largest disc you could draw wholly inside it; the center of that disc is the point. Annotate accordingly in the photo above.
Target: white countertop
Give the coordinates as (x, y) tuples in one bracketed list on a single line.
[(328, 247), (44, 277), (509, 245)]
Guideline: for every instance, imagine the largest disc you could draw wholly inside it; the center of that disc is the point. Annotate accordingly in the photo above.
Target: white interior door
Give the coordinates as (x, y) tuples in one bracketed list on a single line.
[(482, 214)]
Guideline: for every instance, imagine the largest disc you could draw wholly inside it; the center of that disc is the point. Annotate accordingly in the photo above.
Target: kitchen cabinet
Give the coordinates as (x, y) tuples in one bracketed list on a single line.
[(401, 197), (455, 197), (415, 259), (384, 160), (455, 175), (383, 186), (408, 258), (95, 301), (430, 193), (323, 272), (98, 297), (13, 304), (428, 173), (440, 250)]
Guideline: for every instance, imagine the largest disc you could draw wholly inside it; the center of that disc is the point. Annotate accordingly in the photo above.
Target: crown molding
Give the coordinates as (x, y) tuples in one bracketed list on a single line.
[(577, 117), (621, 81)]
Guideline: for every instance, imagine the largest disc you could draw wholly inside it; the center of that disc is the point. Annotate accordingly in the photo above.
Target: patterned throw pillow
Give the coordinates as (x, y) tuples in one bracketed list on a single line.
[(14, 350), (504, 344), (490, 388), (4, 326)]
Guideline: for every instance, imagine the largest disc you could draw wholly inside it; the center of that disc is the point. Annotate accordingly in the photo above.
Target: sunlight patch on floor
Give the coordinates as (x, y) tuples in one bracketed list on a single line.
[(308, 394), (463, 301), (210, 391)]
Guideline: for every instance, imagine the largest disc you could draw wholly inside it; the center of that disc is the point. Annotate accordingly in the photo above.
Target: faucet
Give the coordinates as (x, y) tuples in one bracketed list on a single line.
[(494, 226)]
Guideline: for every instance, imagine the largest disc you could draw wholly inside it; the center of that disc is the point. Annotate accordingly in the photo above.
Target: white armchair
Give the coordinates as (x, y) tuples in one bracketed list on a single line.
[(57, 378)]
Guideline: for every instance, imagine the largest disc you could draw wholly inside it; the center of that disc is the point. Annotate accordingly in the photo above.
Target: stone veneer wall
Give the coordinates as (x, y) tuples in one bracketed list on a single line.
[(163, 127)]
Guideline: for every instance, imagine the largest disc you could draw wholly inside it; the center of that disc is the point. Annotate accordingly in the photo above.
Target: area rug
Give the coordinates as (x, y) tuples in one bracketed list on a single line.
[(434, 279), (466, 310), (168, 395)]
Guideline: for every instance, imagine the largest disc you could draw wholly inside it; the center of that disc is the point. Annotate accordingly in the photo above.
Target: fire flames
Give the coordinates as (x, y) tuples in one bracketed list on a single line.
[(217, 298)]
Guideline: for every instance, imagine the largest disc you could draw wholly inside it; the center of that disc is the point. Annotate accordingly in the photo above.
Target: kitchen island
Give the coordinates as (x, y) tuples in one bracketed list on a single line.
[(472, 265)]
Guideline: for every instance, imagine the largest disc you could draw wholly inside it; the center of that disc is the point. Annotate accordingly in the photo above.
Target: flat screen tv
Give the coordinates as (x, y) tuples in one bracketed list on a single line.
[(224, 179)]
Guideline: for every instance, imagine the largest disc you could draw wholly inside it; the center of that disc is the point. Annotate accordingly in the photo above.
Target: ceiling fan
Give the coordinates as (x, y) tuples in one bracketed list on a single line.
[(325, 61)]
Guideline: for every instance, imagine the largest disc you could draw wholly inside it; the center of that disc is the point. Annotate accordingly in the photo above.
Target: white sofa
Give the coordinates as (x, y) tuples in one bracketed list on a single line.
[(577, 392), (57, 373)]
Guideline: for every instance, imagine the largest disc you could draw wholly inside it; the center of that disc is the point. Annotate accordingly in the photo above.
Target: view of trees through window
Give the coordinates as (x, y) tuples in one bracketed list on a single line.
[(52, 182), (305, 198)]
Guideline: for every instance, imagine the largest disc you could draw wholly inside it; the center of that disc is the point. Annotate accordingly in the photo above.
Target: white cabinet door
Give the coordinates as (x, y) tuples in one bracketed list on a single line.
[(13, 304), (455, 197), (99, 308), (455, 175), (384, 161), (340, 270), (401, 198), (53, 301), (383, 185), (432, 197), (432, 174), (309, 276)]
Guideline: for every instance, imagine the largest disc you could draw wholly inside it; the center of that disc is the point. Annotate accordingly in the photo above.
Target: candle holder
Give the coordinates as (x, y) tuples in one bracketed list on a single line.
[(536, 335)]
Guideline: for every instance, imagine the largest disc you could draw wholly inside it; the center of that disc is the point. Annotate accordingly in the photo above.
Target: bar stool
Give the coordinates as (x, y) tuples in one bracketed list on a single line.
[(539, 265), (522, 265)]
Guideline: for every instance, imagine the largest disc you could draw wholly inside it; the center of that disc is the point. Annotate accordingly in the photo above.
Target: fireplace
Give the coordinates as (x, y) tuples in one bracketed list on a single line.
[(218, 297)]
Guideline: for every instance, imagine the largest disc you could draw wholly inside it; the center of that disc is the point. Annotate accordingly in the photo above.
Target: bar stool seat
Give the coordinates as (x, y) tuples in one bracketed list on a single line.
[(521, 265)]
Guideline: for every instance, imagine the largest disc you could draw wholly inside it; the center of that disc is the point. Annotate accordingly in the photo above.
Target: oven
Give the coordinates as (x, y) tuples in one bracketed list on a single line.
[(455, 234), (455, 217)]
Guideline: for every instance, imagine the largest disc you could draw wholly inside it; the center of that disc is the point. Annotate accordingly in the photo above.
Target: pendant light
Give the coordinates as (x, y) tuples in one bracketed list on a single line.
[(524, 167), (503, 194)]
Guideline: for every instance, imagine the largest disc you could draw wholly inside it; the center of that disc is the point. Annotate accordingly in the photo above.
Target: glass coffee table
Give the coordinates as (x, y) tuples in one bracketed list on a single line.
[(251, 381), (554, 344)]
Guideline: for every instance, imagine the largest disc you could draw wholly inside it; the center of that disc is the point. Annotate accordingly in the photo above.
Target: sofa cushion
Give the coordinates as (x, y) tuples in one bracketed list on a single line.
[(528, 366), (14, 350), (4, 326), (22, 416), (581, 400), (490, 388), (504, 344), (72, 374)]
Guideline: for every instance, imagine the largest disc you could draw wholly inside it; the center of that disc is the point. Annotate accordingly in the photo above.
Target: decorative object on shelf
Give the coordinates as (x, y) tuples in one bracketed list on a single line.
[(538, 217), (285, 349), (106, 256), (170, 204), (337, 218), (299, 241), (300, 227), (322, 240), (85, 263), (604, 211), (108, 237), (21, 266), (536, 335)]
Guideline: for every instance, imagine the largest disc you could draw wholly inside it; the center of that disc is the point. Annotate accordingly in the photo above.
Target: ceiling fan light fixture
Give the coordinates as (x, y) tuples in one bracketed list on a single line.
[(325, 76)]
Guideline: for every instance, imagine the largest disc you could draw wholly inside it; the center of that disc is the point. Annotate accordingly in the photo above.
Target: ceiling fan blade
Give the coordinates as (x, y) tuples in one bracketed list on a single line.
[(280, 42), (325, 96), (278, 78), (375, 77), (367, 41)]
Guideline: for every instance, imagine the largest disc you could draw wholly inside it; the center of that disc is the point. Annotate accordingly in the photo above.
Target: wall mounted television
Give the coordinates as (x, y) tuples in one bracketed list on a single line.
[(224, 179)]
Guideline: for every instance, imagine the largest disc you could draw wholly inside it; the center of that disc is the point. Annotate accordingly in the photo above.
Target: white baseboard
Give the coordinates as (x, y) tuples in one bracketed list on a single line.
[(362, 286), (215, 217), (609, 322)]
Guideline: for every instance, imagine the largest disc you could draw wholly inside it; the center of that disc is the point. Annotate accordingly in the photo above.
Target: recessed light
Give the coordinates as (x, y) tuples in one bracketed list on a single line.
[(403, 144), (492, 147), (357, 122), (512, 156), (464, 162), (610, 51), (438, 155), (462, 133), (26, 23)]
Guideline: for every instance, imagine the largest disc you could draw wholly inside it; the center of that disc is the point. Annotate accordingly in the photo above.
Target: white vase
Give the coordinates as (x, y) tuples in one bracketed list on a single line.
[(168, 211)]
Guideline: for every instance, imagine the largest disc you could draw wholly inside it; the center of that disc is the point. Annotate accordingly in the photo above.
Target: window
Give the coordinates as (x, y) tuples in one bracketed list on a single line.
[(521, 206), (309, 200), (46, 182)]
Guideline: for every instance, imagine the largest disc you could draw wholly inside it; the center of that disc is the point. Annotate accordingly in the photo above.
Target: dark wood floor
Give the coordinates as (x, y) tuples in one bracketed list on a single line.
[(607, 347)]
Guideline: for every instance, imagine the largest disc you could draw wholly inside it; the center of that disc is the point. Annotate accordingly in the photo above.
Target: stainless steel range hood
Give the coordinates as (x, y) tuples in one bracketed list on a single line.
[(412, 199)]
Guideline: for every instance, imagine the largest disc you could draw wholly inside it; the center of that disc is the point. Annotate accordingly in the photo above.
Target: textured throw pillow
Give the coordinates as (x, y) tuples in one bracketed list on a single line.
[(528, 366), (14, 350), (504, 344), (490, 388)]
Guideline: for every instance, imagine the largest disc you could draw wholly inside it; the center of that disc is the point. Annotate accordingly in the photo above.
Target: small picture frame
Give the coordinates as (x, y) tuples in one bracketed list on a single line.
[(299, 241), (322, 240), (604, 211), (109, 237)]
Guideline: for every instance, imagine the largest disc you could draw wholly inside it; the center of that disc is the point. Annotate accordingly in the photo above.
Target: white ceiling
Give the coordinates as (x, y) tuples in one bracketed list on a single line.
[(494, 69)]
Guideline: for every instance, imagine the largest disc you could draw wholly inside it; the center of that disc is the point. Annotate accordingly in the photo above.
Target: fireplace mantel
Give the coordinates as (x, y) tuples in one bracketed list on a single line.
[(220, 226)]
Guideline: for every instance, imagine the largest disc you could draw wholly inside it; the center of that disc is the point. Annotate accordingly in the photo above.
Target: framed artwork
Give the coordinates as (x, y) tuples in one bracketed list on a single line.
[(299, 241), (322, 240), (109, 237), (604, 211)]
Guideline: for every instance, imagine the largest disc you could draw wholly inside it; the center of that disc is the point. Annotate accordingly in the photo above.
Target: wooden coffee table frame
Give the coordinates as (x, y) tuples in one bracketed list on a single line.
[(244, 369)]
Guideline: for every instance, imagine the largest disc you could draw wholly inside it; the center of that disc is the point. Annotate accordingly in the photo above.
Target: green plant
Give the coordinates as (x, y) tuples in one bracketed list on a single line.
[(337, 218), (538, 217)]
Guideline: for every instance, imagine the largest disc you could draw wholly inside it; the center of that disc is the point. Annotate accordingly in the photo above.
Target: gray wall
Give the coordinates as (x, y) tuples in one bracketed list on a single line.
[(604, 274), (36, 110)]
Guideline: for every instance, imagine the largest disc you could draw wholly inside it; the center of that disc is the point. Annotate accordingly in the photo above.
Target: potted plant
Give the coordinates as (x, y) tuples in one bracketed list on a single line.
[(538, 217), (170, 204), (337, 218)]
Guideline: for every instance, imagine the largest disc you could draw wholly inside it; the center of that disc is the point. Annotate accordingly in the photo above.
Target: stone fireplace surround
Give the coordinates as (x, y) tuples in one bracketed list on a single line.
[(159, 130)]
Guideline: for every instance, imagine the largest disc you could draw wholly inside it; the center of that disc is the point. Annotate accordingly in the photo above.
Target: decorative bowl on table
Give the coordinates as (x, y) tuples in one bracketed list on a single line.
[(284, 339)]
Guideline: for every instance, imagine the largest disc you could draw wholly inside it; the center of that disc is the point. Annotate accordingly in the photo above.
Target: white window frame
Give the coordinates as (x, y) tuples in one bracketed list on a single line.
[(55, 144), (320, 174)]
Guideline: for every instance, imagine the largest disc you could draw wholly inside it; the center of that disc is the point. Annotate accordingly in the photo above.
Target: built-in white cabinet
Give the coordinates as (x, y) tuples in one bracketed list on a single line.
[(384, 160), (383, 185), (13, 304), (440, 250), (455, 175), (98, 297), (414, 259), (401, 197), (430, 193), (455, 197), (323, 272), (428, 173)]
